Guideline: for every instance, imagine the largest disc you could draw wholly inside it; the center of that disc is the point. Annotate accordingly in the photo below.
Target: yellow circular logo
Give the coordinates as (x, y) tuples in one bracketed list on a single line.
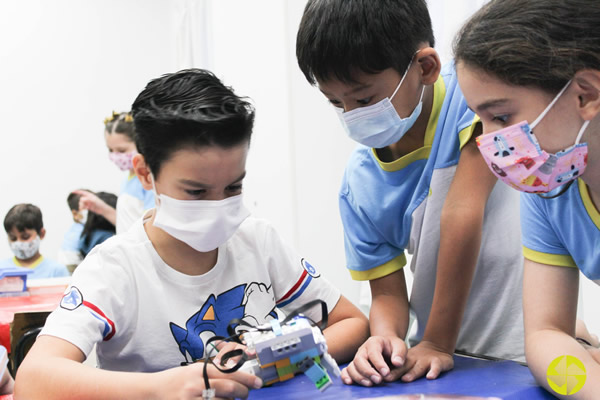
[(566, 375)]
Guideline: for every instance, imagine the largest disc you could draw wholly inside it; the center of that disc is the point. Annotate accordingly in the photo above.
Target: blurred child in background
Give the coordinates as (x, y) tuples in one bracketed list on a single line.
[(25, 229), (133, 200), (69, 253)]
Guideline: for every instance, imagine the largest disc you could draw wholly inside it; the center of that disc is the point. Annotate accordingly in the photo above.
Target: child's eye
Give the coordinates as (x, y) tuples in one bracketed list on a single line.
[(234, 188), (335, 103), (196, 192), (364, 102), (500, 118)]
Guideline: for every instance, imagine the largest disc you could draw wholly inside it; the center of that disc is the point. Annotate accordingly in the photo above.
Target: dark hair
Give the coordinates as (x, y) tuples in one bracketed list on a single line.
[(537, 43), (96, 221), (338, 38), (188, 108), (120, 123), (24, 216), (73, 200)]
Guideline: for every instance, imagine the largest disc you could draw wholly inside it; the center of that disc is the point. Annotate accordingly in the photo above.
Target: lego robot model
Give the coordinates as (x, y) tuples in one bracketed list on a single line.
[(285, 350)]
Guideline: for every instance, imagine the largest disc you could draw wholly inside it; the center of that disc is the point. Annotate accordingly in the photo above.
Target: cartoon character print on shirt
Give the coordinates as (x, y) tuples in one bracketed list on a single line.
[(216, 313)]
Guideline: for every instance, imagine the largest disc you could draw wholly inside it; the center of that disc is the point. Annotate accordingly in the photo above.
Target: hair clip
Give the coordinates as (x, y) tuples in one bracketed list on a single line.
[(128, 118)]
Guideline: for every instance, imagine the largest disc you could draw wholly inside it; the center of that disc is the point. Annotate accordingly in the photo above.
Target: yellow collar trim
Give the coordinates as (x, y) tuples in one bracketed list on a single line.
[(32, 266), (439, 93), (587, 202)]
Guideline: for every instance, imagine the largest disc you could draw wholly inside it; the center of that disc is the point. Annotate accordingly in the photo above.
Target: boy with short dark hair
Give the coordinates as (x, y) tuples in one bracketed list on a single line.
[(151, 298), (418, 184), (25, 229)]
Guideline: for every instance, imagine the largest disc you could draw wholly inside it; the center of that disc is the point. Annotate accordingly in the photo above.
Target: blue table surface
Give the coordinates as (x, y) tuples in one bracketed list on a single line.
[(506, 380)]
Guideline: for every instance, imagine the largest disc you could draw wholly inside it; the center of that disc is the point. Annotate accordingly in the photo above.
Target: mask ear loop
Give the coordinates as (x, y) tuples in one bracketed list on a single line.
[(547, 109), (404, 76), (156, 197)]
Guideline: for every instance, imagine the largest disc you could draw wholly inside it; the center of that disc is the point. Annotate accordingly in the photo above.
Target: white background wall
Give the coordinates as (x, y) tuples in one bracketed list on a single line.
[(66, 64)]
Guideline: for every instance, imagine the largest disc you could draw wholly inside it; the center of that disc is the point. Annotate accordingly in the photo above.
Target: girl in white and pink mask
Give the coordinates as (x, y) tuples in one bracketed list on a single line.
[(531, 70), (119, 134)]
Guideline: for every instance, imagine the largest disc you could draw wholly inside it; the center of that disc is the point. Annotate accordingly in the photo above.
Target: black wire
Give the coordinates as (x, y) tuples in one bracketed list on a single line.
[(235, 337)]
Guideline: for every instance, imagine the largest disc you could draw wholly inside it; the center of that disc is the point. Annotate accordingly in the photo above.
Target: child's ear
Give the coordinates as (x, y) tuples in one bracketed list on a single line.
[(430, 63), (142, 171), (42, 233), (587, 86)]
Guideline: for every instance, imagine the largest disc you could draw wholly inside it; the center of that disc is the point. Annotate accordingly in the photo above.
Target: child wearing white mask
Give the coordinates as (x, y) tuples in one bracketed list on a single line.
[(539, 102), (134, 199), (25, 229), (416, 185), (149, 299)]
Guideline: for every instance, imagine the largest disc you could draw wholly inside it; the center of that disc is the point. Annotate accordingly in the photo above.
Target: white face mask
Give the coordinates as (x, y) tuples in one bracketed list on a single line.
[(379, 124), (204, 225), (25, 250)]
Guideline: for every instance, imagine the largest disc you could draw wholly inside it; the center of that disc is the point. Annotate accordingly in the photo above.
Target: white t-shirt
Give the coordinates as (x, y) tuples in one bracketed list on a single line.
[(145, 316)]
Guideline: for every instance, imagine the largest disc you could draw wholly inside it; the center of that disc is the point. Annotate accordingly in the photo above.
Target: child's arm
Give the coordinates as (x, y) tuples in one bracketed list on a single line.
[(347, 329), (460, 238), (53, 370), (550, 309), (89, 201), (385, 349)]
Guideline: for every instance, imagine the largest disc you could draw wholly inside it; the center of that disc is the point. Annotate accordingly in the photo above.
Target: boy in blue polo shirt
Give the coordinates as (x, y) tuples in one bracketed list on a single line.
[(25, 229), (417, 183)]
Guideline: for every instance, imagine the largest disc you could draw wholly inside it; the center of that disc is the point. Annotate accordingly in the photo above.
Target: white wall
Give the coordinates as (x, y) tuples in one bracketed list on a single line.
[(64, 66)]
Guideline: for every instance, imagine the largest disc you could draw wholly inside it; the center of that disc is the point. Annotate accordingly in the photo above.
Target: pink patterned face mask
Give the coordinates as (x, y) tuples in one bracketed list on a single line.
[(515, 157), (123, 160)]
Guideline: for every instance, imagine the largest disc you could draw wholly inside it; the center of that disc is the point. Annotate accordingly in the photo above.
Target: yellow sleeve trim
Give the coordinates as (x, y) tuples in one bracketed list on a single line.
[(559, 260), (588, 203), (383, 270), (466, 134)]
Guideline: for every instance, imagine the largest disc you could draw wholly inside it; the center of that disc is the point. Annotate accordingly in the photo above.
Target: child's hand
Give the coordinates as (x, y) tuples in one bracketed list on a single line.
[(378, 359), (226, 347), (426, 357), (89, 201), (187, 382)]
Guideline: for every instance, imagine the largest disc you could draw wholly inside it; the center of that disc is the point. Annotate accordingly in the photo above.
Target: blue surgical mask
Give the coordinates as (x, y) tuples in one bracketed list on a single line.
[(379, 125)]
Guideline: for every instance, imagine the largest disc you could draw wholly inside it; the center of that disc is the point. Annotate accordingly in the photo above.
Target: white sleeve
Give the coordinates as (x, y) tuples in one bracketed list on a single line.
[(295, 281), (94, 305)]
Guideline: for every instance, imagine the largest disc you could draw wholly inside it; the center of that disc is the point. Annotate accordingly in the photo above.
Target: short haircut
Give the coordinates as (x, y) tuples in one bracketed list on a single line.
[(339, 38), (189, 108), (22, 217), (533, 43)]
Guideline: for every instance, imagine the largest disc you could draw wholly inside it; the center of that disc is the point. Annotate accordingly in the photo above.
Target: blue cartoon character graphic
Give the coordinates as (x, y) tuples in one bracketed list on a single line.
[(503, 149), (216, 313)]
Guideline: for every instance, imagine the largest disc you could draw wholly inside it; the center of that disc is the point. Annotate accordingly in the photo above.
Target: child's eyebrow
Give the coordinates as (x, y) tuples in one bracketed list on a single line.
[(355, 89), (196, 184), (242, 176), (490, 103)]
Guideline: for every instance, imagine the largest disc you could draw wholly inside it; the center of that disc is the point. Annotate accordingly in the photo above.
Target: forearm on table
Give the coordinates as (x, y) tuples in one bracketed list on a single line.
[(543, 346), (389, 316), (60, 378), (341, 345), (460, 238)]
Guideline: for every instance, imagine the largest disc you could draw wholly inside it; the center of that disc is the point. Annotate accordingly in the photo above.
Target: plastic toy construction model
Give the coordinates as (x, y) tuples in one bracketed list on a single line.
[(282, 351)]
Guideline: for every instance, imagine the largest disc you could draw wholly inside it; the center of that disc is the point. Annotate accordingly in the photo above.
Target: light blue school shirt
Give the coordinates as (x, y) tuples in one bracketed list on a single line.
[(72, 237), (390, 208), (564, 231), (42, 268)]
